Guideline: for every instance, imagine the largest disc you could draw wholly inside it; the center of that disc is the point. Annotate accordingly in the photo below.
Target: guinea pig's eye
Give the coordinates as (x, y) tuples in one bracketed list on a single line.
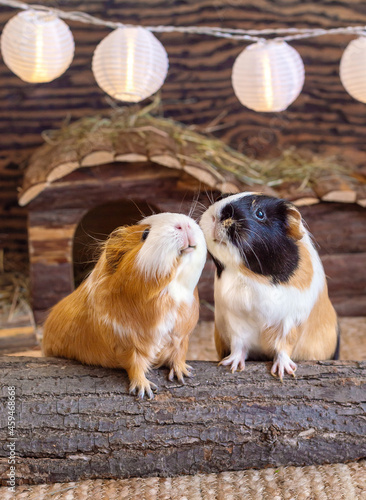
[(145, 234), (259, 214)]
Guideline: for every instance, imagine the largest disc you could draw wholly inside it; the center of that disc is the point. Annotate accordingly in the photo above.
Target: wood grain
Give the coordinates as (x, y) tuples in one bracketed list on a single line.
[(198, 88), (76, 422)]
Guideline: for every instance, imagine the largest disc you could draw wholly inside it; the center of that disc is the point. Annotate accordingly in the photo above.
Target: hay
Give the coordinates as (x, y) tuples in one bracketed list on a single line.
[(292, 166), (14, 297)]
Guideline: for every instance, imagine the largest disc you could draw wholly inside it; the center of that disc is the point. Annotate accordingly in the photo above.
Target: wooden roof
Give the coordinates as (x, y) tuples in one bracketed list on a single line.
[(83, 144)]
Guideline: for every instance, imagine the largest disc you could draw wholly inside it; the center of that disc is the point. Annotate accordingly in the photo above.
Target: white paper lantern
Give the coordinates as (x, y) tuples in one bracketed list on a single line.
[(130, 64), (268, 76), (352, 70), (37, 46)]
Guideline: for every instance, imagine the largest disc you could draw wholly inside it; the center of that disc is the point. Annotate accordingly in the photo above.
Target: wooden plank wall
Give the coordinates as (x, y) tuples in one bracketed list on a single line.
[(198, 88)]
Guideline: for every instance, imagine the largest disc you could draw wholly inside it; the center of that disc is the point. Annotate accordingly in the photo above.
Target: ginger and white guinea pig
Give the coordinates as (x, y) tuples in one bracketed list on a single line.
[(271, 295), (138, 306)]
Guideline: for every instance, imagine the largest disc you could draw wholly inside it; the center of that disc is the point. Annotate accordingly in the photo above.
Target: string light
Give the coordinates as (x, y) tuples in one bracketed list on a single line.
[(268, 76), (236, 34), (278, 91), (352, 69), (37, 46), (130, 64)]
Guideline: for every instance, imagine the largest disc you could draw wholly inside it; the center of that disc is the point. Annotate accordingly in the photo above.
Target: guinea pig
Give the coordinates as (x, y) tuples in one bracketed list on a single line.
[(271, 295), (138, 306)]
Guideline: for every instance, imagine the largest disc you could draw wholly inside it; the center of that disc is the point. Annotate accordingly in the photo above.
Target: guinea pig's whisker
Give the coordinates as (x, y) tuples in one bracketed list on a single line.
[(255, 233), (221, 242), (256, 256), (245, 259), (202, 205), (245, 242), (210, 197), (200, 208), (194, 204), (138, 208), (259, 262), (88, 261), (258, 236)]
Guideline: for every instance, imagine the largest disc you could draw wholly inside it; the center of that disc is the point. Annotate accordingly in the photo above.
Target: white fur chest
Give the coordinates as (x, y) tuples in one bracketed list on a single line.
[(245, 306), (164, 330)]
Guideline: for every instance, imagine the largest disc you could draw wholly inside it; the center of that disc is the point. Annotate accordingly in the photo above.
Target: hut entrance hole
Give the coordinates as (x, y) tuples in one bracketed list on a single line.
[(95, 227)]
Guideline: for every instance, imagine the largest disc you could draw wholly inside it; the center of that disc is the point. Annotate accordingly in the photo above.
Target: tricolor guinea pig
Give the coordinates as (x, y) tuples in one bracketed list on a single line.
[(271, 295), (138, 306)]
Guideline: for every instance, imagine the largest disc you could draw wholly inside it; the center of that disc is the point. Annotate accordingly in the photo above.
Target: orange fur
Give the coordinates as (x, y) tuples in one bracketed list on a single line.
[(294, 223), (318, 337), (113, 318), (315, 339), (304, 274)]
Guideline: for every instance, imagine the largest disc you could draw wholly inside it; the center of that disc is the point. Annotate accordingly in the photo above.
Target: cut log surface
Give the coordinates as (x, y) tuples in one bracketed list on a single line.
[(75, 422), (335, 188)]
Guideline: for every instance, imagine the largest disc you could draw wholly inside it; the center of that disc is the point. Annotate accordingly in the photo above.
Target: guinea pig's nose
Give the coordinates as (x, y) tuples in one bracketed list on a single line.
[(183, 227), (188, 236)]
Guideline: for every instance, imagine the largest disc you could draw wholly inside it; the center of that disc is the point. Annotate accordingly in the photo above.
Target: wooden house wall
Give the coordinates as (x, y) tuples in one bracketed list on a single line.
[(338, 230)]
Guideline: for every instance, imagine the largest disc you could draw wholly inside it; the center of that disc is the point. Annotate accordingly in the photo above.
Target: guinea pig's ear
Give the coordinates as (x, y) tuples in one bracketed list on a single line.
[(114, 250), (294, 226)]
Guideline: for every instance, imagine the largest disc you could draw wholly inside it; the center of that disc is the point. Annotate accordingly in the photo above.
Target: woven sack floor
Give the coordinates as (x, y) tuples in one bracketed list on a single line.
[(326, 482)]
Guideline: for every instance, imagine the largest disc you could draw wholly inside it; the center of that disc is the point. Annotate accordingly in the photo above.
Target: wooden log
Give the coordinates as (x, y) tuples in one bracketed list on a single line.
[(300, 196), (163, 149), (333, 187), (89, 187), (36, 173), (202, 175), (346, 273), (361, 195), (228, 187), (64, 160), (337, 227), (96, 149), (76, 422), (130, 146), (349, 305), (31, 192)]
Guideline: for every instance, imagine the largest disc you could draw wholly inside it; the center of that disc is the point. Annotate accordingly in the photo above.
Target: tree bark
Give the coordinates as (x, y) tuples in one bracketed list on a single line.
[(76, 422)]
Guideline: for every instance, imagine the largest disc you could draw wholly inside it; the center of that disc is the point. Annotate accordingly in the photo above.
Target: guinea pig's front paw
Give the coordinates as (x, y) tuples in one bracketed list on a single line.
[(235, 360), (141, 387), (281, 364), (178, 370)]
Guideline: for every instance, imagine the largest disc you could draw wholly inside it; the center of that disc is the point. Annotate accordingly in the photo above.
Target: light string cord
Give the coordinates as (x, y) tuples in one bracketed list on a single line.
[(289, 34)]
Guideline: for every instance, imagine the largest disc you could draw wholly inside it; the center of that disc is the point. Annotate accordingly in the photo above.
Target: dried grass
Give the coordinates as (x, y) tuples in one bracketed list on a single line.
[(14, 296), (292, 165)]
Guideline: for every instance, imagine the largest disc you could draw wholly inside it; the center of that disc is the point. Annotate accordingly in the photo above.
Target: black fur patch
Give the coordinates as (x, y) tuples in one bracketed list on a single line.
[(219, 266), (338, 346), (259, 230)]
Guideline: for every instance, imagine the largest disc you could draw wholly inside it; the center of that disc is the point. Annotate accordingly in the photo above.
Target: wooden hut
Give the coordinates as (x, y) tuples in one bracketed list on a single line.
[(98, 174)]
